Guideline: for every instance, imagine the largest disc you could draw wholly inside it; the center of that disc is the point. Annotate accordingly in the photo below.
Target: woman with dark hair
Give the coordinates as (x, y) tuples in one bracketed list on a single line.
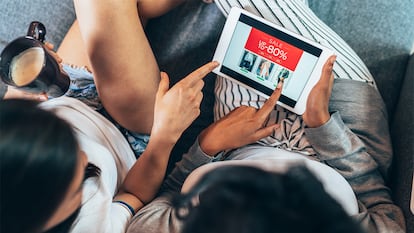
[(343, 134), (353, 196), (37, 169), (228, 183), (100, 128), (246, 198)]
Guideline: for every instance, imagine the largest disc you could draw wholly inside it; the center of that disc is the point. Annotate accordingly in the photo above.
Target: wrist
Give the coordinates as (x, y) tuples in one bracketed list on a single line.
[(128, 201), (207, 145), (160, 144), (316, 120), (163, 137)]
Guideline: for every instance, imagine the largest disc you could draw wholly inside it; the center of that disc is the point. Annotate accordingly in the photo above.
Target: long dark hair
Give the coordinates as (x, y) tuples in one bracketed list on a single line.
[(247, 199), (38, 157)]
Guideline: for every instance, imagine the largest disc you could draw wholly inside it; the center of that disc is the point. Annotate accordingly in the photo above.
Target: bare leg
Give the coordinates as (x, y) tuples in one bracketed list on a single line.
[(124, 67), (151, 9), (72, 49)]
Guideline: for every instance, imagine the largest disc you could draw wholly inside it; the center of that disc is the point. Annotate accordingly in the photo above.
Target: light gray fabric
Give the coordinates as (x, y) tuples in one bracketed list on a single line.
[(363, 111)]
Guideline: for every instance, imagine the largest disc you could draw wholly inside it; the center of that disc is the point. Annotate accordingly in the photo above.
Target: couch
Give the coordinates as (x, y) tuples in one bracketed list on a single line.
[(381, 32)]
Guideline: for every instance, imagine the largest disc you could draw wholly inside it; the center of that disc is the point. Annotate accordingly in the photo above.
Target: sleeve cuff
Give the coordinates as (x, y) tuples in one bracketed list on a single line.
[(333, 140), (198, 157), (193, 159), (329, 129)]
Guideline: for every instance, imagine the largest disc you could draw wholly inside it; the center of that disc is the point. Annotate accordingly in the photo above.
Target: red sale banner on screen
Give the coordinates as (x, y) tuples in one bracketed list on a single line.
[(273, 49)]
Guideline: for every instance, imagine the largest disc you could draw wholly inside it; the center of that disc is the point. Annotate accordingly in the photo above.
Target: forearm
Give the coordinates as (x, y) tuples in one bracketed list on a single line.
[(146, 176), (159, 215), (342, 150)]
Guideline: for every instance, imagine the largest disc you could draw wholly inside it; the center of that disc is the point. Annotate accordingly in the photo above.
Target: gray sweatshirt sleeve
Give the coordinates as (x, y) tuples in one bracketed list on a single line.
[(338, 147), (3, 89), (159, 215), (193, 159)]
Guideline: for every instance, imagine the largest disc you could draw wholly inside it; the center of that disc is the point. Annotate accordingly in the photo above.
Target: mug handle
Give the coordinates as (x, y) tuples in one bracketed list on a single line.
[(37, 30)]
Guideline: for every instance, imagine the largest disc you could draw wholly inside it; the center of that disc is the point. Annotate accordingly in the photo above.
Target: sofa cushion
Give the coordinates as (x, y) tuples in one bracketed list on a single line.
[(16, 16), (183, 40), (402, 133), (382, 34)]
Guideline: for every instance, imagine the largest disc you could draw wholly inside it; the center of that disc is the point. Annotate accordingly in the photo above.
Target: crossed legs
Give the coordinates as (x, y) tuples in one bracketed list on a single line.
[(126, 75)]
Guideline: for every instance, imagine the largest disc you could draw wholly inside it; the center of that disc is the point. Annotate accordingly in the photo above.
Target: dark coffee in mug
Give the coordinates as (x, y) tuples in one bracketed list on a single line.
[(26, 64)]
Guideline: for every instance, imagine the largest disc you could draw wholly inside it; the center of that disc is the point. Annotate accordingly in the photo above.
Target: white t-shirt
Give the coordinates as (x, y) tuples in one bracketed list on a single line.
[(105, 147)]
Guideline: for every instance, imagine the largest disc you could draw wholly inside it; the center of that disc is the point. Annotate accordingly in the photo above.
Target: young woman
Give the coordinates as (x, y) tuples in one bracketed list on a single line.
[(48, 151), (350, 138)]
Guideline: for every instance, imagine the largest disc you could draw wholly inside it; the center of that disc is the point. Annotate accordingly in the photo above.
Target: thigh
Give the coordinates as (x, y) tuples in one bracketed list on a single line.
[(72, 49), (125, 70)]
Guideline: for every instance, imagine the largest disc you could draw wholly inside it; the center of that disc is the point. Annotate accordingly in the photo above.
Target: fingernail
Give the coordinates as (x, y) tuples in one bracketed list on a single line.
[(42, 98), (279, 85)]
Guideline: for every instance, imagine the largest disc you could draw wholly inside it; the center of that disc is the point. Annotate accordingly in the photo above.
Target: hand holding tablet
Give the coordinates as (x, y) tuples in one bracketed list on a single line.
[(257, 54)]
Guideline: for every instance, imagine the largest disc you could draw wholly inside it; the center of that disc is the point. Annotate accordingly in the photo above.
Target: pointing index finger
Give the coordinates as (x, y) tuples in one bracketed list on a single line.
[(270, 103), (201, 72)]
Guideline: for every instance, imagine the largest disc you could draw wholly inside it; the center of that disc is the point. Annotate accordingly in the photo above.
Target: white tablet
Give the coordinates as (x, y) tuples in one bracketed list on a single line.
[(256, 53)]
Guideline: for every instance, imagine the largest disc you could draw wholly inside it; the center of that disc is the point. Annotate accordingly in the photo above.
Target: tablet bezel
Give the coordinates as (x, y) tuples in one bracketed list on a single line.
[(284, 101)]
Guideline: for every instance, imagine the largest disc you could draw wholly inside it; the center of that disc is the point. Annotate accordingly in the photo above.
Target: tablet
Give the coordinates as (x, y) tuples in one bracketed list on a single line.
[(256, 54)]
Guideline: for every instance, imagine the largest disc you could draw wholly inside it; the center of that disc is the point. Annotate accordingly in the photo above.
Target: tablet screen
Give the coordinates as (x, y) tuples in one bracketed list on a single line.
[(259, 55)]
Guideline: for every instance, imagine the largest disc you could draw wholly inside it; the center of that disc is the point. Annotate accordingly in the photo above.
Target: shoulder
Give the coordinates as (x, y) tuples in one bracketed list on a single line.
[(157, 217)]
